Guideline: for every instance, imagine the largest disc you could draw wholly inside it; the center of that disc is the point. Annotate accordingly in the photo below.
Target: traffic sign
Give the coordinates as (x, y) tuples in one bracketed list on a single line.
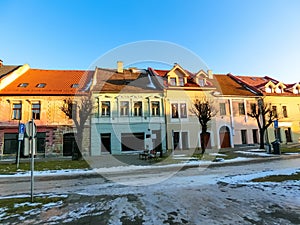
[(276, 124), (30, 129), (21, 128)]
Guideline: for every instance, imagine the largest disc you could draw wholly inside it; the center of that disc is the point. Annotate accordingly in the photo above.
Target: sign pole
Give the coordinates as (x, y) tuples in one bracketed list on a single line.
[(20, 139), (32, 157)]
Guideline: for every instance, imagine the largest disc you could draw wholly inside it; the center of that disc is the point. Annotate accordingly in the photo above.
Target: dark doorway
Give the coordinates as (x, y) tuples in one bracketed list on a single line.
[(288, 135), (224, 135), (175, 140), (133, 141), (106, 142), (157, 141), (69, 144), (255, 136)]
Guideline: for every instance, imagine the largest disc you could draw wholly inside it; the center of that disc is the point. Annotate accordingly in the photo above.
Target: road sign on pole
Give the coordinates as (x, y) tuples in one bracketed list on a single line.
[(275, 124)]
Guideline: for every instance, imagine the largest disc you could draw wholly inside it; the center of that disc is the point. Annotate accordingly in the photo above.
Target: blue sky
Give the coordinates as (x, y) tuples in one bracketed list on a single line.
[(238, 36)]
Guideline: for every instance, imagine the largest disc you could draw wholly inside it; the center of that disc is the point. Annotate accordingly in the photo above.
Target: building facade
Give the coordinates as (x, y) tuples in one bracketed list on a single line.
[(128, 113)]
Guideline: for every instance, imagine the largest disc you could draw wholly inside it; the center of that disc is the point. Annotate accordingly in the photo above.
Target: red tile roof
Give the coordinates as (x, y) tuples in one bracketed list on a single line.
[(57, 82), (259, 83)]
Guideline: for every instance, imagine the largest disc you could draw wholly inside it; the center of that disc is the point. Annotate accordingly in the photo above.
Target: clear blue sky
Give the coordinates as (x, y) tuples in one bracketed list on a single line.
[(257, 37)]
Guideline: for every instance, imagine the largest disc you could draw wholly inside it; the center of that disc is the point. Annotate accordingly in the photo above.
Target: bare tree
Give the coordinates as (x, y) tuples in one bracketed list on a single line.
[(205, 110), (264, 115), (79, 112)]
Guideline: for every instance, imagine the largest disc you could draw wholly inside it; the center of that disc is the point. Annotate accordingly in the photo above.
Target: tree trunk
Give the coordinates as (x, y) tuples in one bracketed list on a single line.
[(76, 155), (262, 139), (202, 140)]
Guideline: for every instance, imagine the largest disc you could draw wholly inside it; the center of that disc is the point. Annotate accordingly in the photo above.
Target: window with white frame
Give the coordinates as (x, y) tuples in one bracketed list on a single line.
[(181, 81), (137, 108), (172, 81), (284, 111), (222, 109), (155, 110), (36, 110), (241, 109), (174, 108), (105, 108), (183, 111), (17, 111), (124, 108)]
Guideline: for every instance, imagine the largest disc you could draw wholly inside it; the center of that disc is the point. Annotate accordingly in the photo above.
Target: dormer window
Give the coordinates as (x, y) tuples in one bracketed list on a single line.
[(181, 81), (269, 89), (296, 90), (201, 82), (41, 85), (23, 85), (279, 89), (75, 86), (173, 81)]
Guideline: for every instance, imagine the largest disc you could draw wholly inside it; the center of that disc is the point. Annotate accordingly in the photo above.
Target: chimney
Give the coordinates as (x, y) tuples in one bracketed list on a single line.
[(120, 67), (1, 63), (210, 74)]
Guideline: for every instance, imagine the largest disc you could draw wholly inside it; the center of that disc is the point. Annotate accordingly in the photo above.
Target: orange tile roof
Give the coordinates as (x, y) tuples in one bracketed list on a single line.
[(57, 82), (228, 86)]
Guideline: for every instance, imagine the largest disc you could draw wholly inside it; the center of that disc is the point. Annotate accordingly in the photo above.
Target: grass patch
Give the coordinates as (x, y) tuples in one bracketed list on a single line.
[(278, 178), (289, 150), (13, 206), (44, 165)]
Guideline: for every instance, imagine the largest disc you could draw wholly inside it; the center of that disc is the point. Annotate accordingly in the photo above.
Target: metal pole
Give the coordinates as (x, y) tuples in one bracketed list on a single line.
[(32, 158), (19, 147)]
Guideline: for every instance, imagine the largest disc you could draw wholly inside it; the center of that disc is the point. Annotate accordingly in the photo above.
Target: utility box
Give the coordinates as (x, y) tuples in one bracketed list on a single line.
[(276, 147)]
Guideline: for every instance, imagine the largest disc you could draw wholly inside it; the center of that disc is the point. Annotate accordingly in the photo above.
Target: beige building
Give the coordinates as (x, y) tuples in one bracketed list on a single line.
[(27, 94)]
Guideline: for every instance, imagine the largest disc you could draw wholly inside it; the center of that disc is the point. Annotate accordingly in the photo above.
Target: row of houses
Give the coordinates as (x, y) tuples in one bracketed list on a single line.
[(137, 109)]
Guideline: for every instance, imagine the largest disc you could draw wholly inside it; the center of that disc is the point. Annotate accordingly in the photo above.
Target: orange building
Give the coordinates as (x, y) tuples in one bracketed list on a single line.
[(29, 93)]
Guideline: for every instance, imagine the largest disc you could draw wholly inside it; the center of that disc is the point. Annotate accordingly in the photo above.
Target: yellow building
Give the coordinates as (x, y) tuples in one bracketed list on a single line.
[(284, 100)]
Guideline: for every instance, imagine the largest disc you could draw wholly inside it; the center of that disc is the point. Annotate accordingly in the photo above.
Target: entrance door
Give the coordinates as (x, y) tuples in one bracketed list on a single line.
[(288, 135), (185, 141), (69, 144), (106, 142), (224, 135), (176, 140)]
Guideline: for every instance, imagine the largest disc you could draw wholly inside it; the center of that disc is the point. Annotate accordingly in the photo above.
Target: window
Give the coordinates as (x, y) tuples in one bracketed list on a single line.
[(284, 111), (36, 111), (174, 110), (155, 108), (75, 85), (124, 108), (269, 89), (253, 107), (173, 81), (181, 81), (183, 112), (105, 108), (241, 109), (41, 85), (201, 82), (17, 111), (222, 109), (23, 85), (137, 109), (274, 110), (244, 136)]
